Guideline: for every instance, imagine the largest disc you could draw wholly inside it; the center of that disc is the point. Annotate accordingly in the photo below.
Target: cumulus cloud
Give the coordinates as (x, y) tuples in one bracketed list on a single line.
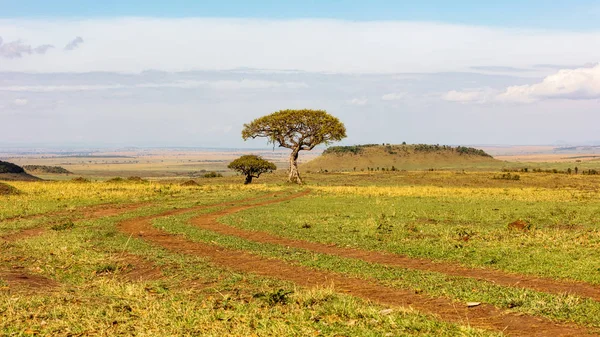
[(16, 49), (581, 83), (572, 84), (358, 101), (74, 44)]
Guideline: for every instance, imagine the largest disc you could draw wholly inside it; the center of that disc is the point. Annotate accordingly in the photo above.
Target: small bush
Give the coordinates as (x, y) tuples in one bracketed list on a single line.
[(63, 226), (212, 174), (507, 176), (275, 297), (464, 234)]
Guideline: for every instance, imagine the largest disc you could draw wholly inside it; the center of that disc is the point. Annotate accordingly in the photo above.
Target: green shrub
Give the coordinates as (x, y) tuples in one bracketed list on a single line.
[(212, 174)]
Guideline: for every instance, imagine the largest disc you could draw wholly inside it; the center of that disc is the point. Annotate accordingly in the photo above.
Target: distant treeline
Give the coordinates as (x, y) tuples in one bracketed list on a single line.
[(393, 149), (46, 169), (6, 167), (575, 170)]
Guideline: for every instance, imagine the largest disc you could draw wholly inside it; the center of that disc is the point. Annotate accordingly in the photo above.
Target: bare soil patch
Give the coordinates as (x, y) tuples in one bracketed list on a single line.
[(190, 183), (482, 316), (135, 268), (19, 281)]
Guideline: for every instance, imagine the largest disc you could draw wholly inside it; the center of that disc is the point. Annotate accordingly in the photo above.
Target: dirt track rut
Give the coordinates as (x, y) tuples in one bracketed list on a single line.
[(88, 213), (483, 316), (582, 289)]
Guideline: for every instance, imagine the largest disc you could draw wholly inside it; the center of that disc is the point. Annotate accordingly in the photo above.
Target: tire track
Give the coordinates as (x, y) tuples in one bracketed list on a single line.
[(483, 316), (94, 213), (578, 288)]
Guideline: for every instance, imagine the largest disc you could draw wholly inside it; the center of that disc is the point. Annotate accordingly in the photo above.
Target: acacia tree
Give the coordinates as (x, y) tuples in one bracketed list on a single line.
[(251, 166), (297, 130)]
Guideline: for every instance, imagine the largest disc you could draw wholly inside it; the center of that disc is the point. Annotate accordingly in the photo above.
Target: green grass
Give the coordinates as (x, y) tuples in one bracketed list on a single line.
[(194, 297), (563, 243), (420, 214), (555, 307)]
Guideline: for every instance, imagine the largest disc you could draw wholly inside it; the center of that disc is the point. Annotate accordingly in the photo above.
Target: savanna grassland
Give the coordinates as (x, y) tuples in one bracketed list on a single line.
[(424, 253)]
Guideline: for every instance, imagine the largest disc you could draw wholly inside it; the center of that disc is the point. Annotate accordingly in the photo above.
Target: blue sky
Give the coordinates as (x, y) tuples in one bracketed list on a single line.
[(191, 73), (559, 14)]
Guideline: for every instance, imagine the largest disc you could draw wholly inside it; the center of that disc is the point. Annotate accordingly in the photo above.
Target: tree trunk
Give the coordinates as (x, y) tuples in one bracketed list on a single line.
[(248, 179), (294, 174)]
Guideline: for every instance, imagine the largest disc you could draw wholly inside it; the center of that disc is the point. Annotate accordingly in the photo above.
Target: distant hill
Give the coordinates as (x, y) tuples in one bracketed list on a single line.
[(46, 169), (398, 157), (10, 171)]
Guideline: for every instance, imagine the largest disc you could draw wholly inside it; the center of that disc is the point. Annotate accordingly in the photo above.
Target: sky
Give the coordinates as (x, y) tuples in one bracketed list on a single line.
[(191, 73)]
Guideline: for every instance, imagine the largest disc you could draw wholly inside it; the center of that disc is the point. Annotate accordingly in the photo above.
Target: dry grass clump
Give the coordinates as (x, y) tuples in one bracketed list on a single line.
[(6, 189), (189, 183)]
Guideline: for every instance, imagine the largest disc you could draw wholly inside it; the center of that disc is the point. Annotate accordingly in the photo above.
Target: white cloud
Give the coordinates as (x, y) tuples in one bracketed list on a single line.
[(174, 44), (567, 84), (358, 101), (20, 102), (572, 84), (469, 96), (395, 96)]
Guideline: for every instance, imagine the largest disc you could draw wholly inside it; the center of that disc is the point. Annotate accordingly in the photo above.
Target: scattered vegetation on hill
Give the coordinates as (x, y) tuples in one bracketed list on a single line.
[(6, 167), (387, 157), (395, 149), (353, 149), (46, 169), (576, 170)]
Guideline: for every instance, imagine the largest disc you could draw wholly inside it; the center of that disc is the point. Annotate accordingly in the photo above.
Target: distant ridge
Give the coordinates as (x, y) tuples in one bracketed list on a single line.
[(46, 169), (10, 171), (386, 157)]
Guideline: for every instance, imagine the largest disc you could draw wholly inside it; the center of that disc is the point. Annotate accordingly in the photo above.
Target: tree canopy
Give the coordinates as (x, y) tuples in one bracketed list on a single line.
[(251, 166), (297, 130)]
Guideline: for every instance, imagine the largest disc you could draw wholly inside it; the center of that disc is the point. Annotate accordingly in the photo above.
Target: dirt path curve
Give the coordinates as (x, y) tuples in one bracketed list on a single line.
[(582, 289), (89, 213), (483, 316)]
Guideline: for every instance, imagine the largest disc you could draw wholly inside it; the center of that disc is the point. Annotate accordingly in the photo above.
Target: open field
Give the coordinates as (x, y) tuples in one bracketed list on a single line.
[(155, 163), (349, 254)]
